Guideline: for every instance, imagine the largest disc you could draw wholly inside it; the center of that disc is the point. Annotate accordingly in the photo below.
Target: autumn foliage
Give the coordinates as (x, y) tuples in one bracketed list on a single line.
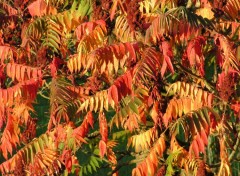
[(141, 87)]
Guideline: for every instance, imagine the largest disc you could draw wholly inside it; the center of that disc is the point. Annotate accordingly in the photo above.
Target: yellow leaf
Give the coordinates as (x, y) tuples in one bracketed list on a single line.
[(205, 13)]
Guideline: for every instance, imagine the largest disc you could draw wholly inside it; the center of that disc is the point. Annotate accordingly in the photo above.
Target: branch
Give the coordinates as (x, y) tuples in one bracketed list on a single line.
[(235, 147), (232, 154)]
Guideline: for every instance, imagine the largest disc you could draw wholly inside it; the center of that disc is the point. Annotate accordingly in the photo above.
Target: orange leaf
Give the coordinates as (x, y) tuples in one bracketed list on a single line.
[(69, 165), (168, 54), (37, 8), (204, 137), (195, 148), (150, 166), (236, 108), (102, 148), (200, 143), (113, 9), (103, 127), (113, 94), (122, 86)]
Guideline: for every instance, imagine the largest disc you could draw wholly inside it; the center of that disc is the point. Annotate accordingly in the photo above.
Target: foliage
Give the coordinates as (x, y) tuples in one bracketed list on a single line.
[(148, 85)]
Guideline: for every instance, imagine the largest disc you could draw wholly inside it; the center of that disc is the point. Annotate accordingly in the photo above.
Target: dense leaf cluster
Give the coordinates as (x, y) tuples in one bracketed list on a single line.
[(152, 86)]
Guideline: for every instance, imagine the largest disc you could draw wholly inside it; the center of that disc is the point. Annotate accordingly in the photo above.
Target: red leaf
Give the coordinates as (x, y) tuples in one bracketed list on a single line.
[(225, 84), (103, 127), (195, 54), (35, 73), (219, 57), (200, 143), (113, 94), (102, 148), (9, 138), (37, 8), (122, 86), (236, 108), (90, 118), (213, 122), (204, 137), (81, 131), (68, 165), (195, 148), (164, 67), (161, 171), (67, 158), (55, 65), (168, 54)]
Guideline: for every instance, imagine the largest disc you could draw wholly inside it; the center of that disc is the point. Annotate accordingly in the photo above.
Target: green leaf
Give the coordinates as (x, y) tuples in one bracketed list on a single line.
[(36, 146), (133, 107), (94, 161), (137, 101), (61, 146), (205, 112), (89, 169), (45, 139), (196, 122), (84, 170), (41, 143), (31, 153), (93, 165)]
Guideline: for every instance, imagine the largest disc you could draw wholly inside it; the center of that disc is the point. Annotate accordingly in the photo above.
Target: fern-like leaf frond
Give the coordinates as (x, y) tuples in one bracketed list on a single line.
[(123, 31), (172, 23), (52, 35), (228, 54), (45, 162), (177, 107), (144, 140), (22, 72), (150, 164), (130, 113), (46, 144), (195, 125), (184, 89), (36, 29), (121, 87), (148, 67), (88, 27), (149, 6), (10, 10), (6, 52), (93, 40), (95, 103), (195, 53), (110, 58), (232, 8), (23, 91), (181, 157)]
